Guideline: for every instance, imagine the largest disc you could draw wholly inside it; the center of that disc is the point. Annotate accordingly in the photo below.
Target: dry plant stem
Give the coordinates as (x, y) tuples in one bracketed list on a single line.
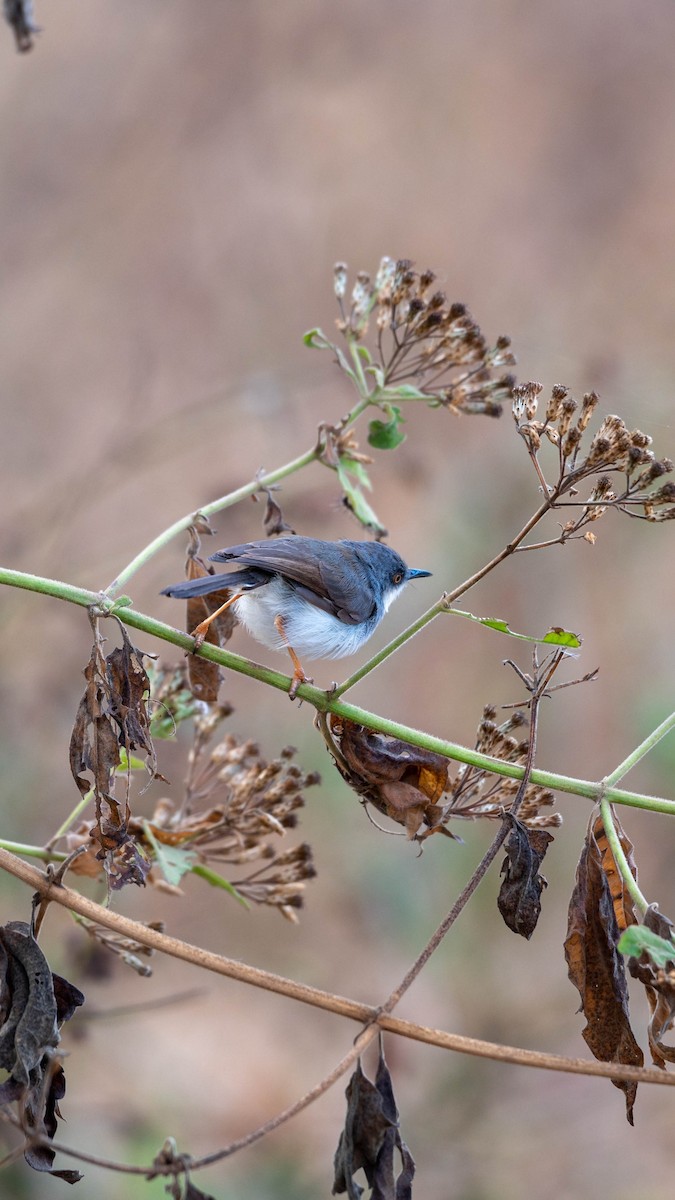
[(487, 859), (446, 600), (379, 1019), (340, 1005)]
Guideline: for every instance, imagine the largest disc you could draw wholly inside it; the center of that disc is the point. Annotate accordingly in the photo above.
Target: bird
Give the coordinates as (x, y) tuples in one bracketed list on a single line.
[(314, 598)]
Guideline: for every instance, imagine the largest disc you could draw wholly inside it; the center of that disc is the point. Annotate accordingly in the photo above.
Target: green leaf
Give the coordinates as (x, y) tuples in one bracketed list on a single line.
[(554, 637), (173, 861), (386, 435), (130, 763), (121, 602), (352, 466), (316, 340), (363, 353), (218, 881), (637, 938), (405, 391), (353, 494)]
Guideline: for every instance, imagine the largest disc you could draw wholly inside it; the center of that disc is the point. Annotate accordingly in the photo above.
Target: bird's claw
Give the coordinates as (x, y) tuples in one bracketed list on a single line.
[(298, 678)]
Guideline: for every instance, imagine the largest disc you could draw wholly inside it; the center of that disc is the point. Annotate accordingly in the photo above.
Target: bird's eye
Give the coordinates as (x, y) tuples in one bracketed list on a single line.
[(397, 577)]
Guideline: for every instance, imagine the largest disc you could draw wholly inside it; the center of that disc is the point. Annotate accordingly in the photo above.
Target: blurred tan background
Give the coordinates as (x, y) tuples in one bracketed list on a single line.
[(176, 182)]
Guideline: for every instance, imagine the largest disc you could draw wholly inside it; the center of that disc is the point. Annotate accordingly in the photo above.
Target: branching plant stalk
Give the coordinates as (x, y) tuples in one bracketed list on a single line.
[(377, 1018), (445, 602), (227, 501), (327, 701)]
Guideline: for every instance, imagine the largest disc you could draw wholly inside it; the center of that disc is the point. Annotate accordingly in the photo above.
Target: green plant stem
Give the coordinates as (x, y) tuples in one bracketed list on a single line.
[(72, 817), (620, 858), (641, 750), (327, 701), (207, 510), (32, 851), (248, 489)]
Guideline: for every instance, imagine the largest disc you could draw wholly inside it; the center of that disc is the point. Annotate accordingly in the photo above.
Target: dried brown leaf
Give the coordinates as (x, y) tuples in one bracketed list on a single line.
[(519, 899), (596, 968), (402, 781), (34, 1004), (369, 1139), (112, 715), (204, 676)]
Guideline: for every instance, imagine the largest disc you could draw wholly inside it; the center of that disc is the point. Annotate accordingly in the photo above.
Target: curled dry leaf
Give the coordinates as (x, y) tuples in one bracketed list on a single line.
[(204, 676), (369, 1138), (273, 518), (658, 979), (519, 899), (595, 966), (400, 780), (112, 716), (33, 1005)]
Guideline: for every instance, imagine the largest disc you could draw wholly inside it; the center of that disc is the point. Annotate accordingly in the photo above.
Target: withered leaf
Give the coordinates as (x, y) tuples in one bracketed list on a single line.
[(30, 1027), (659, 984), (519, 899), (273, 518), (369, 1138), (204, 676), (194, 1193), (34, 1004), (596, 968), (112, 716), (402, 781)]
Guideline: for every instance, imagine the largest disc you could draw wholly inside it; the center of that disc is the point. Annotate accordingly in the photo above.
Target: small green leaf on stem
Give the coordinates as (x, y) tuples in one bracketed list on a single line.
[(386, 435), (216, 880), (555, 636), (129, 762), (638, 938), (406, 391), (316, 339), (173, 861), (353, 494)]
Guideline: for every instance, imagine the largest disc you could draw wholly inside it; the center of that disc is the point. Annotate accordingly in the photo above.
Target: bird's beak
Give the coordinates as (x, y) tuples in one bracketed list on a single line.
[(414, 574)]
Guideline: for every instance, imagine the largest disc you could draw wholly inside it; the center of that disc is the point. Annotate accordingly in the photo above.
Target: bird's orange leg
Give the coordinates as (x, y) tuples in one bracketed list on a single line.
[(298, 673), (199, 632)]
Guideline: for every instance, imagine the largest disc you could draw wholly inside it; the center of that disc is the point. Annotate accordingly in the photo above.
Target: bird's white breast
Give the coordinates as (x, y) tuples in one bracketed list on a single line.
[(312, 632)]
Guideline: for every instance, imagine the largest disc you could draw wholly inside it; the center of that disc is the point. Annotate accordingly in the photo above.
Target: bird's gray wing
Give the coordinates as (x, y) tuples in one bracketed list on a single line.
[(325, 572)]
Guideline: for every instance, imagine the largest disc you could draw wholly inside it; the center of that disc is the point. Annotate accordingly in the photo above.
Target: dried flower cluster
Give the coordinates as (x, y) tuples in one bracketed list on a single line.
[(475, 793), (235, 802), (423, 339), (612, 449), (235, 806)]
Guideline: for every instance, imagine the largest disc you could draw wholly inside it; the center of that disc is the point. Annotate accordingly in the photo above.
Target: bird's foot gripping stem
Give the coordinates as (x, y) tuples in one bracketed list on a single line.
[(298, 672), (200, 631)]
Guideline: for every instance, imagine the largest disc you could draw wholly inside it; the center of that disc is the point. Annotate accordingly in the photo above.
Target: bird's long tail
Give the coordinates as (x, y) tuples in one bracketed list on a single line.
[(238, 580)]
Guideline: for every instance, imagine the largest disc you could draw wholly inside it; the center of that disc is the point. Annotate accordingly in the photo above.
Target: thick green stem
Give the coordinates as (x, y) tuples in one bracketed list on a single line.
[(328, 702), (619, 857), (641, 750)]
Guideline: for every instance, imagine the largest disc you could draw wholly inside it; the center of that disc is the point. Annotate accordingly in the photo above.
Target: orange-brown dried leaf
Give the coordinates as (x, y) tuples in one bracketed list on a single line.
[(400, 780), (204, 676), (621, 898), (596, 968)]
